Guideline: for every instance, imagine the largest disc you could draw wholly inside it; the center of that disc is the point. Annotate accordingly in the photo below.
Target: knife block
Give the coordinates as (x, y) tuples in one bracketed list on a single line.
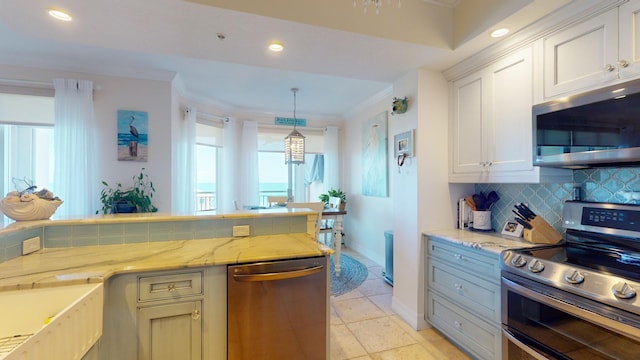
[(541, 232)]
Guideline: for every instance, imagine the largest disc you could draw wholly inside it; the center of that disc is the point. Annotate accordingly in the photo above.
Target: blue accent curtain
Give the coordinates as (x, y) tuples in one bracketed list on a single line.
[(314, 171)]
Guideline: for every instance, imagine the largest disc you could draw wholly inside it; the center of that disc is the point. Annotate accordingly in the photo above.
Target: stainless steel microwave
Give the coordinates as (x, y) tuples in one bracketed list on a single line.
[(593, 129)]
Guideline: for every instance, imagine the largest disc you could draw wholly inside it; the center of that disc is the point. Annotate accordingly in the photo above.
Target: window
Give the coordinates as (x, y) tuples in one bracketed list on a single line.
[(26, 140), (273, 172), (208, 144)]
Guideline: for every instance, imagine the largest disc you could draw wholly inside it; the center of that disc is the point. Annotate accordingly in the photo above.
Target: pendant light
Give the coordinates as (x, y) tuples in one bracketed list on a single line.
[(293, 149), (294, 142)]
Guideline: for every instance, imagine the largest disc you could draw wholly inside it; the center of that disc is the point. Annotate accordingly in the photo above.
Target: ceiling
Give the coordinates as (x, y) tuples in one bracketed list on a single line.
[(335, 53)]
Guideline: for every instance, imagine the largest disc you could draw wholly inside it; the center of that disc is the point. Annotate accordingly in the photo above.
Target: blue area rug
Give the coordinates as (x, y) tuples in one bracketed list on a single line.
[(352, 274)]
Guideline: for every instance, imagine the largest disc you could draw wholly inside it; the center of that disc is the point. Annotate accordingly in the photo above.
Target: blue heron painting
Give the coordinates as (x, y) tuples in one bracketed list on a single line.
[(132, 135)]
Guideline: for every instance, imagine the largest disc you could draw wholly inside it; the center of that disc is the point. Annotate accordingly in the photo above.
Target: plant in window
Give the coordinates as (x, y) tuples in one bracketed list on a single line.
[(134, 199)]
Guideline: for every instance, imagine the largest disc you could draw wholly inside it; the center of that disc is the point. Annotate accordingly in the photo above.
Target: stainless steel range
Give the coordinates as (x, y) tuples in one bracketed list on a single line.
[(578, 299)]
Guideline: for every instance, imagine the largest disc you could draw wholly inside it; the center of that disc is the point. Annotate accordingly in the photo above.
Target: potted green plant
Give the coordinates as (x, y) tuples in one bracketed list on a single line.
[(134, 199), (334, 193)]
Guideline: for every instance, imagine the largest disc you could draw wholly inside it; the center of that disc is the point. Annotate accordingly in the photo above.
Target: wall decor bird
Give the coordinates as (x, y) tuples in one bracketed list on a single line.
[(132, 129)]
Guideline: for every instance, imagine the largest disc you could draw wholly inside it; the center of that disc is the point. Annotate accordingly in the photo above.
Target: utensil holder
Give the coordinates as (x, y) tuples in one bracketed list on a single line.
[(541, 232), (482, 220)]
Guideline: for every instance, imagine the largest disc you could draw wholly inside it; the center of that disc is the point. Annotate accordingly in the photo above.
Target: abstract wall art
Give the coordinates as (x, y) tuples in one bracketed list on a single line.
[(374, 157)]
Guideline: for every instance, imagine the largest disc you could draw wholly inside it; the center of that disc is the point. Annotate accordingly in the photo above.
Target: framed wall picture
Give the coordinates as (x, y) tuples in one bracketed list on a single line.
[(403, 144), (133, 135)]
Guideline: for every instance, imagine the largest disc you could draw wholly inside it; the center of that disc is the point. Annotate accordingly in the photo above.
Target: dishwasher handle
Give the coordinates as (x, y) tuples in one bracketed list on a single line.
[(278, 275)]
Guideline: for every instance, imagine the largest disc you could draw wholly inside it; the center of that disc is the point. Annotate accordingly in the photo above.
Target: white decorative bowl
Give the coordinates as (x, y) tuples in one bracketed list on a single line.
[(37, 209)]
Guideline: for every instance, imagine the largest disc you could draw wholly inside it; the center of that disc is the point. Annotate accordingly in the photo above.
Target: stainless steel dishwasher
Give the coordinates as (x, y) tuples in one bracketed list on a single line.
[(278, 310)]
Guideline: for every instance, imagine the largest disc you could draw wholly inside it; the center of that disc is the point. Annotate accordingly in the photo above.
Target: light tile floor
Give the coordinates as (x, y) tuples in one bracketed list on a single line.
[(363, 326)]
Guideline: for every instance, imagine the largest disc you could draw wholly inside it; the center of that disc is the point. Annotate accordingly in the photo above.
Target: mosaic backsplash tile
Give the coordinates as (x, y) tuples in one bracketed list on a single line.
[(615, 185)]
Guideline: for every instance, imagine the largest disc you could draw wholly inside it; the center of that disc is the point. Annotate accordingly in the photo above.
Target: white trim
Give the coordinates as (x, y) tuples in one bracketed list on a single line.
[(375, 99)]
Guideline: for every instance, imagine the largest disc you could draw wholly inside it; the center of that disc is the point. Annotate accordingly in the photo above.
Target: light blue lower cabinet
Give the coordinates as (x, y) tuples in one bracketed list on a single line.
[(476, 336), (463, 296)]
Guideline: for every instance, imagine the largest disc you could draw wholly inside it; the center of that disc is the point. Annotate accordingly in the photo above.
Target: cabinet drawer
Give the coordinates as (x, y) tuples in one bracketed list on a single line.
[(479, 296), (169, 285), (470, 332), (474, 261)]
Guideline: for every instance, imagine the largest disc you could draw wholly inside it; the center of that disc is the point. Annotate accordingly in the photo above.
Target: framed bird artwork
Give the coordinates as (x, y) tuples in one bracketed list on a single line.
[(133, 135)]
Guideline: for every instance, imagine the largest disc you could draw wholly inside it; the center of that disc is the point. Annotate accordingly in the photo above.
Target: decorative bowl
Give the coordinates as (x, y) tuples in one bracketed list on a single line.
[(36, 209)]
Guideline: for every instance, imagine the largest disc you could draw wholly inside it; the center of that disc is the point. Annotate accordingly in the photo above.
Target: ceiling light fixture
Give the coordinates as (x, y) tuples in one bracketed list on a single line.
[(60, 14), (276, 46), (376, 3), (499, 32), (293, 149)]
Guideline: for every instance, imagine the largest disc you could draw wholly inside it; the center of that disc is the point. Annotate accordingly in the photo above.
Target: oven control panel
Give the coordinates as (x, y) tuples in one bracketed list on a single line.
[(605, 218)]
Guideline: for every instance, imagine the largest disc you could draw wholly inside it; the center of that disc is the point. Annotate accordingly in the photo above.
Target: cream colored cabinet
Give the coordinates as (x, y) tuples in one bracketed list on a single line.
[(463, 296), (166, 315), (490, 128), (598, 51)]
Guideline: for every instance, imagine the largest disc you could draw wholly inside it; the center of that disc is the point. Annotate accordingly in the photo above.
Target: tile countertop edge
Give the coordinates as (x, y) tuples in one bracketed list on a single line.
[(488, 241), (92, 264)]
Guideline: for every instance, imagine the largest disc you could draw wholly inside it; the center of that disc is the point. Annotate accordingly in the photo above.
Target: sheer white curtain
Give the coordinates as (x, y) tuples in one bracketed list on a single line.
[(229, 173), (249, 182), (331, 164), (74, 138), (184, 192)]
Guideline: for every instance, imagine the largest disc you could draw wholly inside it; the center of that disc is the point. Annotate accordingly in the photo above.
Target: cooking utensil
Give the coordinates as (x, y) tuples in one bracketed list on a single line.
[(519, 216), (523, 223), (524, 211), (479, 200), (469, 201), (492, 198), (539, 231)]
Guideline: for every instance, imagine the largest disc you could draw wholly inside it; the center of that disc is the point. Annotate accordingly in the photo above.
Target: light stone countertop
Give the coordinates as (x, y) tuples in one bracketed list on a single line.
[(488, 241), (10, 226), (91, 264)]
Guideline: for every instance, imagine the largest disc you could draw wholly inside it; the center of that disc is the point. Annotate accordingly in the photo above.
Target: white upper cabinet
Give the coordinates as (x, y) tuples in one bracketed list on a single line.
[(490, 128), (629, 42), (596, 52)]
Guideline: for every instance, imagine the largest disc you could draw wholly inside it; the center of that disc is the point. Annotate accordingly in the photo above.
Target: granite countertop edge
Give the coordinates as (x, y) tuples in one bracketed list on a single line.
[(93, 264), (486, 241)]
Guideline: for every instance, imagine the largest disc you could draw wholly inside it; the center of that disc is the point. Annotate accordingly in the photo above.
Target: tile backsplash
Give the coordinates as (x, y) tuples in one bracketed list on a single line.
[(602, 185)]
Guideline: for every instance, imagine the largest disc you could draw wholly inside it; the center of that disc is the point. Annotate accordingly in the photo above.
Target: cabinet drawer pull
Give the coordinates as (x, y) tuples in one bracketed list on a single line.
[(609, 67), (457, 287), (171, 287), (458, 325), (458, 257), (195, 315), (623, 63)]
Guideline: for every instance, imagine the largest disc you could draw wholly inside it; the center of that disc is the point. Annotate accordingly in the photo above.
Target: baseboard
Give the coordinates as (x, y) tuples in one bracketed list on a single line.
[(415, 320)]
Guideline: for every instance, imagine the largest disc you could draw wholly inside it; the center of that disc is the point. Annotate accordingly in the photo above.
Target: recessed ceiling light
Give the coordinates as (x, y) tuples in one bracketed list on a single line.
[(499, 32), (276, 46), (60, 14)]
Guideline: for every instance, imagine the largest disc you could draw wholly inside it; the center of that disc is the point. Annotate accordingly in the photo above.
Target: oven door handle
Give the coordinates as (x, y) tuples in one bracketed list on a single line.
[(523, 346), (574, 310)]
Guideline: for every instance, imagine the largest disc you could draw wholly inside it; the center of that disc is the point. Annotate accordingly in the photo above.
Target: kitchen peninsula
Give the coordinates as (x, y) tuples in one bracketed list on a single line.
[(160, 262)]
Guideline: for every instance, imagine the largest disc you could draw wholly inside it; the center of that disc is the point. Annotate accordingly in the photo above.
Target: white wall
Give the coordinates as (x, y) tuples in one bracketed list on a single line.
[(420, 197), (368, 217), (405, 204), (152, 96)]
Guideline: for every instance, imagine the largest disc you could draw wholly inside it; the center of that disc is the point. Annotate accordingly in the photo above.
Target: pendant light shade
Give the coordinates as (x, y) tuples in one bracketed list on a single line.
[(294, 148), (294, 142)]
